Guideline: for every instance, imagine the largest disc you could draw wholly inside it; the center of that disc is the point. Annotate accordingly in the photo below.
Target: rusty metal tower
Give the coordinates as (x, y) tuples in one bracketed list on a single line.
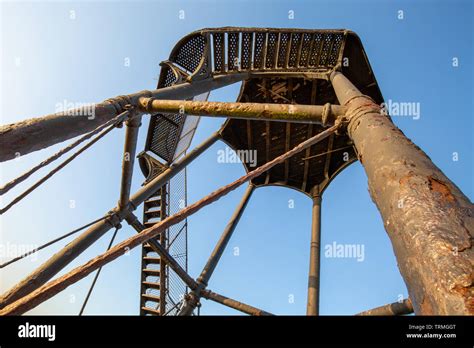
[(309, 105)]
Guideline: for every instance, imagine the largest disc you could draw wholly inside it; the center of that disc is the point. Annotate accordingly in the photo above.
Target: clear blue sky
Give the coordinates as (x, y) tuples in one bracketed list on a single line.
[(48, 57)]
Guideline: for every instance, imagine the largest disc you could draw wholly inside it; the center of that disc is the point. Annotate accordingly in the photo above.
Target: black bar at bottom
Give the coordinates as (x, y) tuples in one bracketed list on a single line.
[(453, 331)]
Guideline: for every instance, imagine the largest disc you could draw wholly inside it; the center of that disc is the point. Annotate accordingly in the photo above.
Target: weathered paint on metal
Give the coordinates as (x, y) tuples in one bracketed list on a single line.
[(427, 217), (396, 308), (312, 307), (21, 138), (320, 114)]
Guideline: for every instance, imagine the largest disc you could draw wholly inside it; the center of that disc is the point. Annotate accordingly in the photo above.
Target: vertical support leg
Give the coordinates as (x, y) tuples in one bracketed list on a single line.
[(130, 148), (216, 254), (428, 219), (312, 307)]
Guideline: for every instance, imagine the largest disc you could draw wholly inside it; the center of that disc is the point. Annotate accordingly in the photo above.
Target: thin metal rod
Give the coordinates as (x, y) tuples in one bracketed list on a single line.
[(245, 308), (396, 308), (48, 290), (225, 237), (428, 218), (66, 255), (319, 114), (86, 300), (21, 138), (130, 148), (41, 247), (208, 270), (312, 307)]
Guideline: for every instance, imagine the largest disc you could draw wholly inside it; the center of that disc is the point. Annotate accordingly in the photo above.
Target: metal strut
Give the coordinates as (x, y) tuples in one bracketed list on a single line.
[(319, 114), (203, 280), (50, 289)]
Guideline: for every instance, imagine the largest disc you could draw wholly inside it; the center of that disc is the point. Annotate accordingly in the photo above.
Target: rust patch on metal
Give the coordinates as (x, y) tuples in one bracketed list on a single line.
[(468, 294), (441, 188), (404, 180), (426, 307)]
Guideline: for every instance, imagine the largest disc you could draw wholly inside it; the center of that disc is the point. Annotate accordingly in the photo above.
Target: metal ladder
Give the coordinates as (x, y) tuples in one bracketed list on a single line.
[(154, 272)]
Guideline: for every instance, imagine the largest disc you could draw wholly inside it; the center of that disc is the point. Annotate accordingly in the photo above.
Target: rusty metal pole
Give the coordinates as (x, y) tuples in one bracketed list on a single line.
[(396, 308), (130, 148), (225, 237), (312, 307), (21, 138), (216, 254), (428, 219), (67, 254), (318, 114), (245, 308)]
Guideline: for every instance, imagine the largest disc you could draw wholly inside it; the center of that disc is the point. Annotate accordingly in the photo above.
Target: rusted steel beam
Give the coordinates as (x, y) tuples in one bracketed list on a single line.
[(428, 219), (208, 270), (312, 307), (242, 307), (130, 148), (225, 237), (319, 114), (50, 289), (146, 191), (21, 138), (67, 254), (396, 308)]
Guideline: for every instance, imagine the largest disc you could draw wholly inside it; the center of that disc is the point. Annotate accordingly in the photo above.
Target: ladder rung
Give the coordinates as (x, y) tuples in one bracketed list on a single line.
[(151, 297), (151, 259), (152, 285), (150, 310), (152, 271), (153, 214), (153, 199), (153, 203)]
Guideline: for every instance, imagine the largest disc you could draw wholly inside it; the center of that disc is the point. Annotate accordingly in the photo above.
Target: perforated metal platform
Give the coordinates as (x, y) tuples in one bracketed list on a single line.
[(285, 66)]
